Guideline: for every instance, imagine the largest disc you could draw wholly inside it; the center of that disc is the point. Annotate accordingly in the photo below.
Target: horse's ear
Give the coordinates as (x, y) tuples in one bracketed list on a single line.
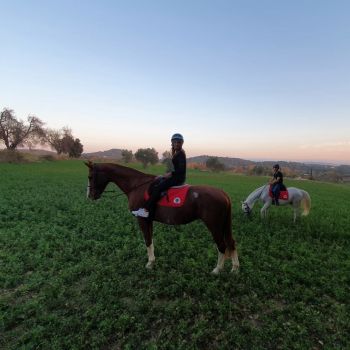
[(89, 164)]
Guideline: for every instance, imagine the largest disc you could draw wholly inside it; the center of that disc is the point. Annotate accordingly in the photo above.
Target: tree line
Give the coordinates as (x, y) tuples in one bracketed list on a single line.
[(16, 133), (147, 156)]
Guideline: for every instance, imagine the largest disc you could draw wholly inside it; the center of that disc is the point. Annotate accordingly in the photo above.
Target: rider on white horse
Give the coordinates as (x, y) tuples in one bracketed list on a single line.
[(277, 183)]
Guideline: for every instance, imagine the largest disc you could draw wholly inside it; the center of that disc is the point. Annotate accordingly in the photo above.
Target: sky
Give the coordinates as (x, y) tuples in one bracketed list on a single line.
[(254, 79)]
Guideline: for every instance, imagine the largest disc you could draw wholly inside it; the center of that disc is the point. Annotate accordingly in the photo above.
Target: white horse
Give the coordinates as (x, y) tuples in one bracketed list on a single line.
[(296, 198)]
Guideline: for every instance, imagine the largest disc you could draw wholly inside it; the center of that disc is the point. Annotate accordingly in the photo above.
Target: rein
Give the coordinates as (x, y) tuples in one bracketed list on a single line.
[(127, 192), (257, 198), (261, 192)]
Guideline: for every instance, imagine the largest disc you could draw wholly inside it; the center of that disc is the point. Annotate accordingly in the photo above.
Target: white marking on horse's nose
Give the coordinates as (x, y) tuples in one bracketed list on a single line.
[(88, 190)]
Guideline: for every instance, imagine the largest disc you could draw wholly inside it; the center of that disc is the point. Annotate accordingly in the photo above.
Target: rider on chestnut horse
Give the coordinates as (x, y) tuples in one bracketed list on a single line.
[(175, 178)]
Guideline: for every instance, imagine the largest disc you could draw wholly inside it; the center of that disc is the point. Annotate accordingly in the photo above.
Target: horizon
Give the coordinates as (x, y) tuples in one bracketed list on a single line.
[(243, 80), (330, 163), (305, 161)]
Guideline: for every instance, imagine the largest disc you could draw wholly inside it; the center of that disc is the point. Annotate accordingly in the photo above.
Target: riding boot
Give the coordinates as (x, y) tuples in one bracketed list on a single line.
[(277, 202), (152, 212)]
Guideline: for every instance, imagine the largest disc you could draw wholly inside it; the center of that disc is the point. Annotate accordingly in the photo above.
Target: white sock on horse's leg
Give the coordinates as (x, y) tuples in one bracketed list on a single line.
[(235, 261), (151, 257), (220, 264)]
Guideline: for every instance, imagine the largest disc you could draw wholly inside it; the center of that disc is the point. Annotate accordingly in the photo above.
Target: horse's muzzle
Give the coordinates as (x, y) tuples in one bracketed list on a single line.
[(92, 194)]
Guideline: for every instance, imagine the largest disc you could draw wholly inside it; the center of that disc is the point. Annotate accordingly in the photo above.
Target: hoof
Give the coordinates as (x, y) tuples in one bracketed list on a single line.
[(235, 269), (216, 271), (150, 265)]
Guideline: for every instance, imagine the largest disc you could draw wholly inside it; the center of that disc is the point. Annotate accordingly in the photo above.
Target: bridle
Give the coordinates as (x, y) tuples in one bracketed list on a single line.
[(247, 208)]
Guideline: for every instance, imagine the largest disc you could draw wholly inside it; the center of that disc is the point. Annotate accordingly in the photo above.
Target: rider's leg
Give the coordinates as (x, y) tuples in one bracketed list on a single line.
[(151, 203), (277, 193), (274, 193)]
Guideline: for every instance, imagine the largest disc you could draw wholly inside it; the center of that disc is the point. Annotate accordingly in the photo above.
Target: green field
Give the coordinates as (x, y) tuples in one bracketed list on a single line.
[(72, 272)]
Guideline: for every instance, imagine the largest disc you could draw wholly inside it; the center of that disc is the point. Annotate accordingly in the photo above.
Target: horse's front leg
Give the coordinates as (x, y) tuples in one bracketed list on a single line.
[(147, 230), (220, 263), (263, 210), (295, 215)]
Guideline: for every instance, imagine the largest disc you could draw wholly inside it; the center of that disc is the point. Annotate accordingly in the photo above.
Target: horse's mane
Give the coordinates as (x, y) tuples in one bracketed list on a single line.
[(122, 169), (255, 194)]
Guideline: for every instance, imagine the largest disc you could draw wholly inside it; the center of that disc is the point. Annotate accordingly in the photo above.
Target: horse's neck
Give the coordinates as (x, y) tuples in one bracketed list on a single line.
[(255, 195), (126, 178)]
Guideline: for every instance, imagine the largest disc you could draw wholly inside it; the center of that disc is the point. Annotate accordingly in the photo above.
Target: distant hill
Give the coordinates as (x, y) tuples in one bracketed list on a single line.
[(299, 167), (113, 153), (293, 169), (227, 161)]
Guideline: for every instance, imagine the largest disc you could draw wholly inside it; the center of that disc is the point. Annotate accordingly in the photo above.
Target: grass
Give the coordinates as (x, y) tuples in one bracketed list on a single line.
[(72, 271)]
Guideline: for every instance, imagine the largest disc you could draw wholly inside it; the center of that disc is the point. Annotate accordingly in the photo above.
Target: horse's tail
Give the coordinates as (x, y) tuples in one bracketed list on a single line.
[(227, 231), (306, 203)]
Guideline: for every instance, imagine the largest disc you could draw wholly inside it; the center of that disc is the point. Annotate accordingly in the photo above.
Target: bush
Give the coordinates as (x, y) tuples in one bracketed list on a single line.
[(7, 156), (214, 164), (47, 157)]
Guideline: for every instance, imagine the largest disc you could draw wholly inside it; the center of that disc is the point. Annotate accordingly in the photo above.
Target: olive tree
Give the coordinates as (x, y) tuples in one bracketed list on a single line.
[(15, 132), (147, 156)]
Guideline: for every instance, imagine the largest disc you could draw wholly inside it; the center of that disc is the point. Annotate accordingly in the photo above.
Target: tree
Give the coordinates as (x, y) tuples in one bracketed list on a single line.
[(14, 132), (54, 139), (127, 156), (166, 160), (147, 156), (63, 141), (71, 146), (214, 164), (76, 149)]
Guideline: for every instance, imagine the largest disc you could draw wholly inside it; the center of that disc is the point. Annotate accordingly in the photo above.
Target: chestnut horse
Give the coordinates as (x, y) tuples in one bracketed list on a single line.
[(211, 205)]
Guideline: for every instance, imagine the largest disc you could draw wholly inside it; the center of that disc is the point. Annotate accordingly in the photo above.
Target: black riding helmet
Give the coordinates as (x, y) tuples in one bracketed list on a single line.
[(276, 166), (177, 137)]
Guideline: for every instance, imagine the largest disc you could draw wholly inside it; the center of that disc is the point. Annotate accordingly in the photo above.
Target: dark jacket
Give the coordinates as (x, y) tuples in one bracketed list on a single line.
[(280, 175), (179, 162)]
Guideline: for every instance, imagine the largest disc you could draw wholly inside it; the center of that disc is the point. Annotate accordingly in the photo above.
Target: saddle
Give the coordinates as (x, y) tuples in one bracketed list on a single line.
[(283, 193), (174, 197)]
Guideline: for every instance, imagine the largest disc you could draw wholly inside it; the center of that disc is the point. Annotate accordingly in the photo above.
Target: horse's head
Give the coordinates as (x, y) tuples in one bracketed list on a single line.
[(97, 181), (246, 208)]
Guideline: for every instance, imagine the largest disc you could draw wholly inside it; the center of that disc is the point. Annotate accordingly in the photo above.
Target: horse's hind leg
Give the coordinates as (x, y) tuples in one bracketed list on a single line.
[(296, 211), (217, 233), (223, 253), (235, 261), (147, 230)]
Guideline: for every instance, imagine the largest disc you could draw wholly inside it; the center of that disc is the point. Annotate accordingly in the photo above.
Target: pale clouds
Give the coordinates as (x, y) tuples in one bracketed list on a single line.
[(339, 145)]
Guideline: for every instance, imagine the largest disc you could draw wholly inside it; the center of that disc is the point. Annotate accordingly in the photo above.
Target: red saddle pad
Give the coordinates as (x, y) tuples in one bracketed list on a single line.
[(174, 197), (283, 194)]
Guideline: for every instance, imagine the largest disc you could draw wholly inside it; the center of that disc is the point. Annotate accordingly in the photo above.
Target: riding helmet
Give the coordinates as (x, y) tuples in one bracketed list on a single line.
[(177, 137), (276, 166)]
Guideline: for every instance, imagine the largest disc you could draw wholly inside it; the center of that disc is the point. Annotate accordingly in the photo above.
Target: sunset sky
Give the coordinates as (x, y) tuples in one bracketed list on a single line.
[(250, 79)]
